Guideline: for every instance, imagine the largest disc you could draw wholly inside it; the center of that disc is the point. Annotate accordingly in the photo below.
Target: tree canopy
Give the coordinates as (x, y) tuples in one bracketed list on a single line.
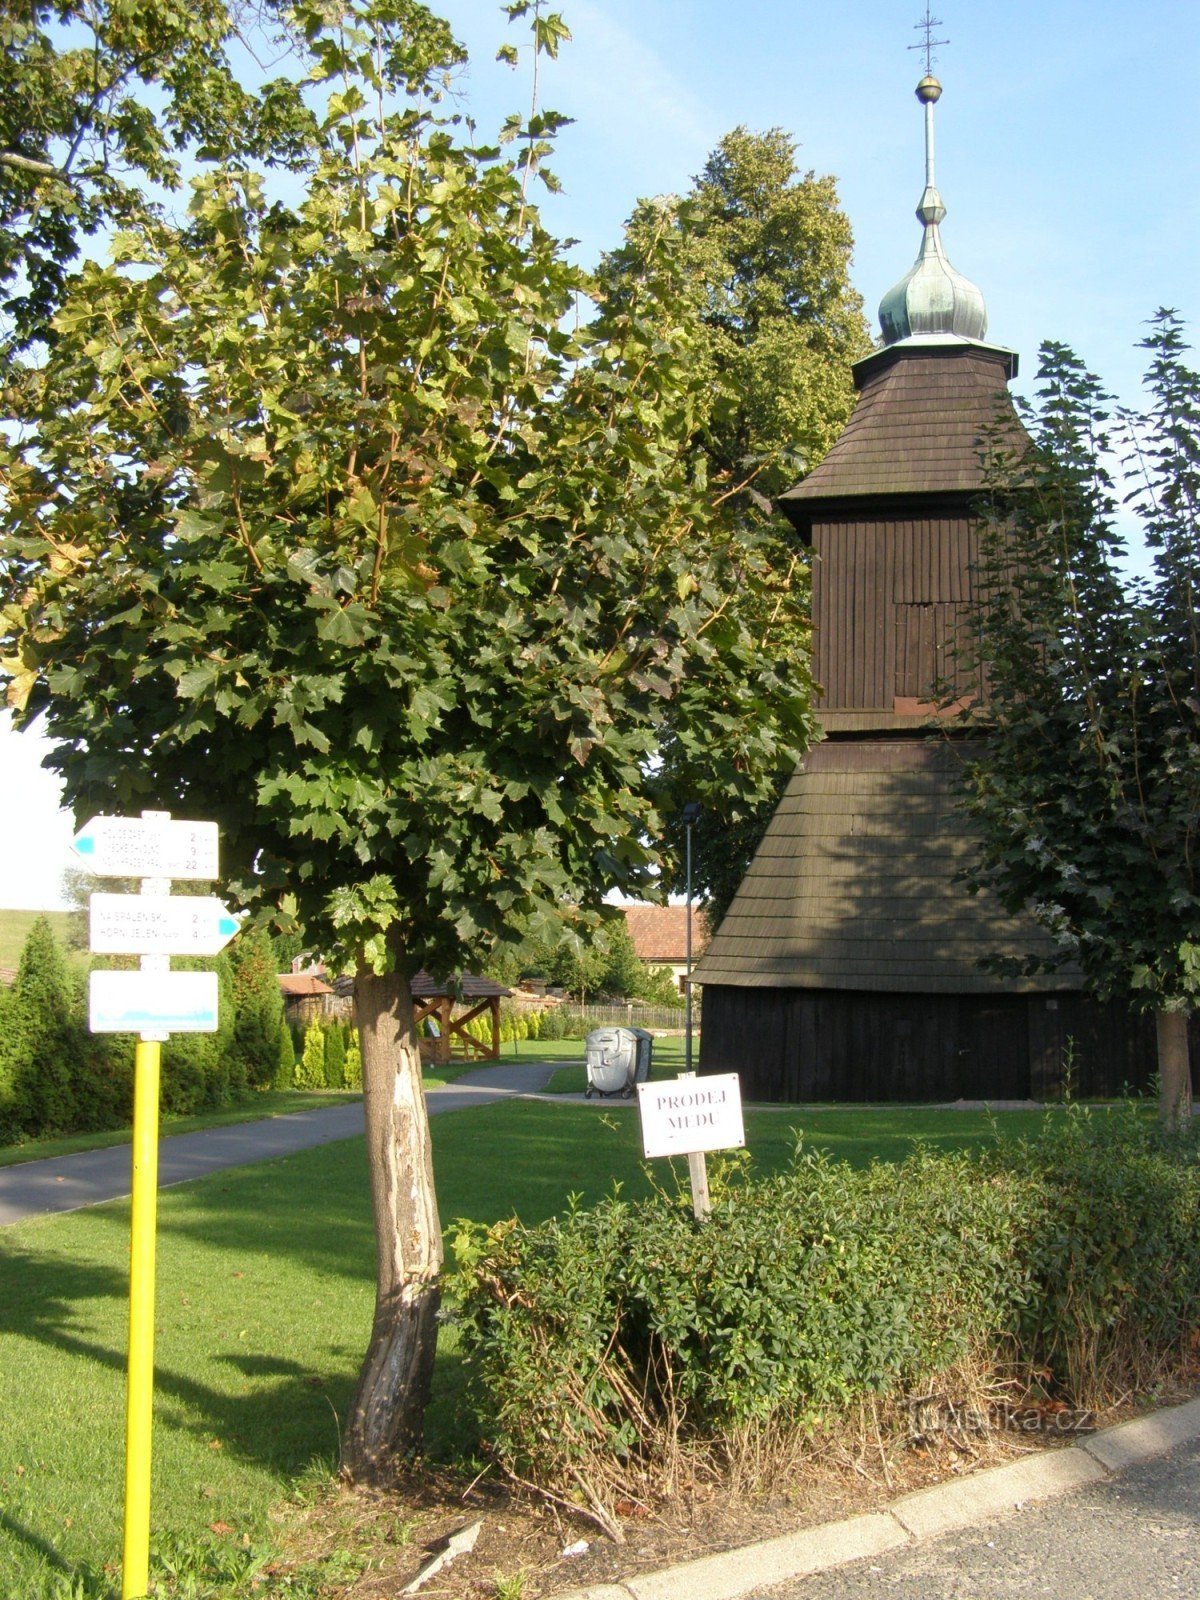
[(776, 324), (1087, 789), (321, 521), (99, 101)]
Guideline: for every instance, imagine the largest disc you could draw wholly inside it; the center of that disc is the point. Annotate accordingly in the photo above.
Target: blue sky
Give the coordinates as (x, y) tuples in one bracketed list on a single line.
[(1068, 146)]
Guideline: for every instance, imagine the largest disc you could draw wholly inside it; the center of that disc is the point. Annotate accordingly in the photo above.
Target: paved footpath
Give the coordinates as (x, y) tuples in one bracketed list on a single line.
[(64, 1183)]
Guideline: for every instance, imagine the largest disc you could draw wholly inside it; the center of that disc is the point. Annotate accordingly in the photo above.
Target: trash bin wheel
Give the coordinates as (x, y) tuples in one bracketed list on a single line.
[(588, 1092)]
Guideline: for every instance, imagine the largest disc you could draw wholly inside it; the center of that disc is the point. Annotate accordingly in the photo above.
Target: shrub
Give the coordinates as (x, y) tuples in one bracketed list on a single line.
[(191, 1079), (602, 1342), (335, 1056), (310, 1069), (1115, 1251), (559, 1022), (47, 1032), (353, 1061), (658, 986), (285, 1059), (258, 1007)]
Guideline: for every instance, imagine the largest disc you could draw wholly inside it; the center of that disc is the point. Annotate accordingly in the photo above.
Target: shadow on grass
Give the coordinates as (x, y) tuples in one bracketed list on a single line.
[(283, 1423), (25, 1535)]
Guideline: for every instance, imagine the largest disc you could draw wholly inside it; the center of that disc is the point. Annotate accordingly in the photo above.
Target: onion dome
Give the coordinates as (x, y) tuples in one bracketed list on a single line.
[(931, 297)]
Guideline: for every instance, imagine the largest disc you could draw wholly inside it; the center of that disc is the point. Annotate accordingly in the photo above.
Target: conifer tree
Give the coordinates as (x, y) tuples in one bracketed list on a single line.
[(43, 1096)]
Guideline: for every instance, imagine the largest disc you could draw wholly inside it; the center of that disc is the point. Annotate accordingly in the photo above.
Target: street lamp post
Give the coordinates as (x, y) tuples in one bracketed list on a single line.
[(691, 813)]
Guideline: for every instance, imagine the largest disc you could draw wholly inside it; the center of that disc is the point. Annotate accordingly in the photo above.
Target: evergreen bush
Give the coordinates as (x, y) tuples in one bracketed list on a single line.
[(557, 1023), (310, 1069), (335, 1056), (258, 1007), (49, 1035), (353, 1061), (285, 1059), (190, 1079)]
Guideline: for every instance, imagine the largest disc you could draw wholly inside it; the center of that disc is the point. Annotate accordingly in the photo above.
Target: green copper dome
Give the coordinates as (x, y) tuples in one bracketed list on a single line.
[(931, 297)]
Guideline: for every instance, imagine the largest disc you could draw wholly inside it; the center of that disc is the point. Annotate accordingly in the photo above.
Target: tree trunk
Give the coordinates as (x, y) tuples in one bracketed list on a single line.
[(1174, 1069), (393, 1387)]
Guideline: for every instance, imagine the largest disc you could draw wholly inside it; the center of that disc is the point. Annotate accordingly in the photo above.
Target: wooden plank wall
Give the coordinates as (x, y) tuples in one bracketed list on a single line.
[(889, 598), (814, 1045)]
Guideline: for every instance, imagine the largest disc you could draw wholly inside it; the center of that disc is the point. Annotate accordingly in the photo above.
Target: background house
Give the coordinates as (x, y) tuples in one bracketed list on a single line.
[(659, 935)]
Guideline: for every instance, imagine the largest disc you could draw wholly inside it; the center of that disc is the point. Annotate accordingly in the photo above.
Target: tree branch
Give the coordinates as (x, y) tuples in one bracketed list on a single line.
[(40, 169)]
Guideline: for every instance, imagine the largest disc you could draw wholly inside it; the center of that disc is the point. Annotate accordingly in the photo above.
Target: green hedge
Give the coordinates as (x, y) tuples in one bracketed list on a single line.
[(602, 1341)]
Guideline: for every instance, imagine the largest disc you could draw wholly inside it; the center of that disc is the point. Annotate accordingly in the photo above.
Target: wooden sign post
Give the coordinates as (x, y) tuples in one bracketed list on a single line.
[(153, 1003), (688, 1116)]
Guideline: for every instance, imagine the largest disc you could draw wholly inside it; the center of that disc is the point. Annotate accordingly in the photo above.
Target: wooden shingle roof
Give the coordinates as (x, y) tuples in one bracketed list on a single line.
[(854, 885), (467, 986), (915, 429)]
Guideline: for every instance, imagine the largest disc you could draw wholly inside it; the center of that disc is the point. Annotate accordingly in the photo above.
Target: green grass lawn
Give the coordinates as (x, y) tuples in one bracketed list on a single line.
[(14, 930), (265, 1290)]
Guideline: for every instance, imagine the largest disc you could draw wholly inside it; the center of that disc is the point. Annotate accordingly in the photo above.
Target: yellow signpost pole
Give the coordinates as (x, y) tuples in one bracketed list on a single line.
[(135, 1570), (153, 1003)]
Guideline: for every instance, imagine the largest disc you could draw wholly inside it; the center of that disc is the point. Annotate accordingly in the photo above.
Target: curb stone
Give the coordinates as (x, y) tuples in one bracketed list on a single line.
[(912, 1518), (1131, 1442)]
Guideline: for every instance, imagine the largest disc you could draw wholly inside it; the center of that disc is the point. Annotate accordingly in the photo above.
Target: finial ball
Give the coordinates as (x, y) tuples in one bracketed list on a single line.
[(929, 90)]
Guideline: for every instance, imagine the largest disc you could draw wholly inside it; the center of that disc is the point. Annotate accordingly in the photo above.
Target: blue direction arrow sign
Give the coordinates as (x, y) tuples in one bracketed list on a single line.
[(148, 847), (159, 924), (153, 1002)]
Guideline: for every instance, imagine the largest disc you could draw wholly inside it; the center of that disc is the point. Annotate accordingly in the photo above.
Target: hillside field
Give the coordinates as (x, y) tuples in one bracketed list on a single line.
[(15, 926)]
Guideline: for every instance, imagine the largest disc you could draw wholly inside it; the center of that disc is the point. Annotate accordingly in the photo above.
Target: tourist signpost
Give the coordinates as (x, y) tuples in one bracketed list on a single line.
[(152, 1003), (687, 1116)]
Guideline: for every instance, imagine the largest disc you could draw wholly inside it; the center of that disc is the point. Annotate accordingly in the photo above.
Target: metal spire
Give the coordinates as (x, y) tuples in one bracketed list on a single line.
[(931, 298)]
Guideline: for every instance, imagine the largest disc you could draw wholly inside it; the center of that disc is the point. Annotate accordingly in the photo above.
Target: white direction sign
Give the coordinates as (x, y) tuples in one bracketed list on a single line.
[(688, 1116), (159, 924), (153, 1002), (148, 847)]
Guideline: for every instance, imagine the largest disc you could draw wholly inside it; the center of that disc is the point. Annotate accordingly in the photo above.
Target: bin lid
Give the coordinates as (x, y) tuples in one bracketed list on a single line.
[(599, 1037)]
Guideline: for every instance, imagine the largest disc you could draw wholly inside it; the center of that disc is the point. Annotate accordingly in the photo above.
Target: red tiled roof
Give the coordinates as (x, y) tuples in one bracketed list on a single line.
[(298, 983), (659, 933)]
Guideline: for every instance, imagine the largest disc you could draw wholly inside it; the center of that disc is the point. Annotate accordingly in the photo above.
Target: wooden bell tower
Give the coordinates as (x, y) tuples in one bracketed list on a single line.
[(853, 964)]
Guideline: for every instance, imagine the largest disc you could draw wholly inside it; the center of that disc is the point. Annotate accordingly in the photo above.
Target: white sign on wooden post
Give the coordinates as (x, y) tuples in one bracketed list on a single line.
[(689, 1116)]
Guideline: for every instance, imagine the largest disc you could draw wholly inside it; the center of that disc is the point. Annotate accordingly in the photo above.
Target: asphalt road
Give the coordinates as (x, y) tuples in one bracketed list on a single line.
[(40, 1188), (1134, 1537)]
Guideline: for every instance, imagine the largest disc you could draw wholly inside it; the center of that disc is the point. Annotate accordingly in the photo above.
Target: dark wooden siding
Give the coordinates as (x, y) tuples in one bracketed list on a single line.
[(815, 1045), (889, 600)]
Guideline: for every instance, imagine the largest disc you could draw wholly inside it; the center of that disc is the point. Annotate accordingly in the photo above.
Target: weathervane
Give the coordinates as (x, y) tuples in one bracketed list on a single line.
[(928, 23)]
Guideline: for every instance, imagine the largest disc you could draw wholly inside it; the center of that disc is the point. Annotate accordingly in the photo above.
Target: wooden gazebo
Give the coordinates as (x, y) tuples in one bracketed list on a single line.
[(450, 1006)]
